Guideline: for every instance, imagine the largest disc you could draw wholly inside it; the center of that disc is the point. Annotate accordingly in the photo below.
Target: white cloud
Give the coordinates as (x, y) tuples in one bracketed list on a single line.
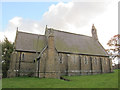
[(9, 34), (76, 17), (15, 21), (23, 25), (107, 23), (72, 14)]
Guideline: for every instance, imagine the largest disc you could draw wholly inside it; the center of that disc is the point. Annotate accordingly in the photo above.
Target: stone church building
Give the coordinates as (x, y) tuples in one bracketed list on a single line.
[(58, 53)]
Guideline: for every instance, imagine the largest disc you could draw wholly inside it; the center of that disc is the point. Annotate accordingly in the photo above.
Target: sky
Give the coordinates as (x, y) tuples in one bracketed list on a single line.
[(26, 10), (71, 16)]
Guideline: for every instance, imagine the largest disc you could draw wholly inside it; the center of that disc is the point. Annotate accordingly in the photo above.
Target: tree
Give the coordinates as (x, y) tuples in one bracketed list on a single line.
[(114, 44), (7, 49)]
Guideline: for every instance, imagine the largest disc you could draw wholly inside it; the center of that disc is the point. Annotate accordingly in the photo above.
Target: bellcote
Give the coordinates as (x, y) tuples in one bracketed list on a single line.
[(48, 31), (94, 32)]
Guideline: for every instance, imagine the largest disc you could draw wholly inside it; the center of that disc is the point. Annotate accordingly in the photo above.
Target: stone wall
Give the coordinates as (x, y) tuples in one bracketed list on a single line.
[(85, 65), (96, 66), (106, 67), (27, 64), (52, 61), (43, 64), (22, 64), (61, 64), (52, 68), (73, 64)]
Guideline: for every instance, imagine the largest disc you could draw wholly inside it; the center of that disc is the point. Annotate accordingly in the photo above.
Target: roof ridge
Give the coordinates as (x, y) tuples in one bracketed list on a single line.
[(30, 33), (71, 33)]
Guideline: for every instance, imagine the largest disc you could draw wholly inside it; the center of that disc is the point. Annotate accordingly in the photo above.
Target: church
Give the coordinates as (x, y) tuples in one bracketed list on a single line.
[(58, 53)]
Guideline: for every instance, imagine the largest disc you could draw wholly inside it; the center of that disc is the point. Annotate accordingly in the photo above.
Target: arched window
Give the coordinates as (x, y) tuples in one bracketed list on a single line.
[(101, 64), (91, 64), (95, 60), (23, 57), (60, 57), (91, 59), (85, 60)]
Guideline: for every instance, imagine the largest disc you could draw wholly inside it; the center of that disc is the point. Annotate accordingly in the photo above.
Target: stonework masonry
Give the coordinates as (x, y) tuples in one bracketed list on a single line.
[(69, 64), (50, 62)]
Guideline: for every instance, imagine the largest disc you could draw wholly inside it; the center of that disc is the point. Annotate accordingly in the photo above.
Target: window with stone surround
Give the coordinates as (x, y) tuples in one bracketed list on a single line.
[(60, 58), (95, 61), (85, 60), (23, 57)]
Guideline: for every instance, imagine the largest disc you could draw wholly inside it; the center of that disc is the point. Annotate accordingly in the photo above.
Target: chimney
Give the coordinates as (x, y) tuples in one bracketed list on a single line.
[(94, 32)]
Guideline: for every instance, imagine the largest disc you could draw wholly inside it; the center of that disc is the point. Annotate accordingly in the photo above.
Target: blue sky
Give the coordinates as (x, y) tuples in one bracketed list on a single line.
[(26, 10), (70, 16)]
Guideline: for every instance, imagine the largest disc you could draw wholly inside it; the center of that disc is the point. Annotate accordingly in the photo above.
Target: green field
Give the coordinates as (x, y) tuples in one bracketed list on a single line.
[(108, 80)]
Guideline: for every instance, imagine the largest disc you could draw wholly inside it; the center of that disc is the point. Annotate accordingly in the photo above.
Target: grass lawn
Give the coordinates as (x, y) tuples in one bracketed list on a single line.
[(108, 80)]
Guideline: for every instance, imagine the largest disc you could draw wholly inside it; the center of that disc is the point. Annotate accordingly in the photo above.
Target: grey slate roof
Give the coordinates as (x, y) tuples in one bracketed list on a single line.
[(29, 42), (64, 42), (76, 43)]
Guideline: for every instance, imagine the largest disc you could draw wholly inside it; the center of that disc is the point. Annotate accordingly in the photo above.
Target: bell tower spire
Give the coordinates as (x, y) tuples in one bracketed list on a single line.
[(94, 32)]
